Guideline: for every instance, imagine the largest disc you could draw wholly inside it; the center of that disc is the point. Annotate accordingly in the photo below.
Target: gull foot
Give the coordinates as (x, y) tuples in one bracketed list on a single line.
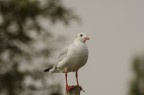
[(69, 88)]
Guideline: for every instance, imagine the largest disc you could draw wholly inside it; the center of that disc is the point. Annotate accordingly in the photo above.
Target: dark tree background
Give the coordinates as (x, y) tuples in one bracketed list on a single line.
[(26, 46), (137, 86)]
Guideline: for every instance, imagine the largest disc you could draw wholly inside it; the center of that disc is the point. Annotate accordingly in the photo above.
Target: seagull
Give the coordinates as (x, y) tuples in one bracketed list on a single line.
[(72, 58)]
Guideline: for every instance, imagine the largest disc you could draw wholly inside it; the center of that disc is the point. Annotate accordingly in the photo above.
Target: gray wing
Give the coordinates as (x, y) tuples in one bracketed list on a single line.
[(63, 54)]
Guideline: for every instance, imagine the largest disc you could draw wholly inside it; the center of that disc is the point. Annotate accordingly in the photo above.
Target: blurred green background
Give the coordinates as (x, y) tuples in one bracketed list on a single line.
[(137, 84), (26, 46)]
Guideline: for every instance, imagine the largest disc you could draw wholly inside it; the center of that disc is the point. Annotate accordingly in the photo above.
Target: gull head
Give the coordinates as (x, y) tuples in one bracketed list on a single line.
[(82, 37)]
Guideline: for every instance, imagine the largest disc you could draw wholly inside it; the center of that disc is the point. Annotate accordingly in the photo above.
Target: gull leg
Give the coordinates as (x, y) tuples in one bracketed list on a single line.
[(66, 79), (78, 82), (68, 88), (77, 78)]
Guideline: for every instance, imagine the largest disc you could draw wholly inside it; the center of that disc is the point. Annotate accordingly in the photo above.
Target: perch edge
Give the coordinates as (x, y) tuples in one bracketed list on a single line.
[(75, 91)]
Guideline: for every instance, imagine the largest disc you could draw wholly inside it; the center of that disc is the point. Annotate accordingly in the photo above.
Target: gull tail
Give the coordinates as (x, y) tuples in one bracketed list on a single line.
[(47, 70)]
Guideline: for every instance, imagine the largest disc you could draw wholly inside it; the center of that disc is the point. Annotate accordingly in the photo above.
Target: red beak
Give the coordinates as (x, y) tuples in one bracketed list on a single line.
[(86, 38)]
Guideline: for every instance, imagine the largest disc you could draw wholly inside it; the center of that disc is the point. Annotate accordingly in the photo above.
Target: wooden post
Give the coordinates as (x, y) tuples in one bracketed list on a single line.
[(75, 91)]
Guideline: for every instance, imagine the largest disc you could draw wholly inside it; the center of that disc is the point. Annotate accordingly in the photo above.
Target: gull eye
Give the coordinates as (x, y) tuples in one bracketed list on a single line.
[(81, 35)]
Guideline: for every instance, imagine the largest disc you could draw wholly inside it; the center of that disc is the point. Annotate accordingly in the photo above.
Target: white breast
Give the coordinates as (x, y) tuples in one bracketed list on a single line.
[(78, 56)]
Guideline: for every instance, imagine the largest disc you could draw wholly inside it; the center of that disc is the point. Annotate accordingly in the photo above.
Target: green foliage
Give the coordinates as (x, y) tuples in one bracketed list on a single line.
[(21, 35), (137, 86)]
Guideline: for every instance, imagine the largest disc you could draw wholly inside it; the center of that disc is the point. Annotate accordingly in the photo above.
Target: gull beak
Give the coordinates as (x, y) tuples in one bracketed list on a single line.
[(86, 38)]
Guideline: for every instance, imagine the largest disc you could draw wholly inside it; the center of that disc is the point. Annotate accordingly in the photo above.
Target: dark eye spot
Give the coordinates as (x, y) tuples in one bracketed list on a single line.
[(81, 35)]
